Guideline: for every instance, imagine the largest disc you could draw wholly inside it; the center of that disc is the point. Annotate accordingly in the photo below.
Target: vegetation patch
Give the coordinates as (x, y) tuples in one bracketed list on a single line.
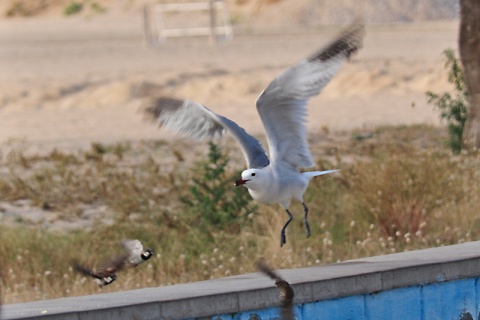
[(399, 188), (453, 107)]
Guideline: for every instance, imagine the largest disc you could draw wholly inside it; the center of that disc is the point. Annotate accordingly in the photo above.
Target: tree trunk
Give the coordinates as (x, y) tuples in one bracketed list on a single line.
[(470, 55)]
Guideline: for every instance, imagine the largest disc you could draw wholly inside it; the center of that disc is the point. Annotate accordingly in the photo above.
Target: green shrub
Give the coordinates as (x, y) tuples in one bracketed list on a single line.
[(212, 198), (97, 7), (453, 109), (73, 8)]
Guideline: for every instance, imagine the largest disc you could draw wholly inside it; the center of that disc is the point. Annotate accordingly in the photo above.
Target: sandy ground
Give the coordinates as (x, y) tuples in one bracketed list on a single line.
[(67, 82)]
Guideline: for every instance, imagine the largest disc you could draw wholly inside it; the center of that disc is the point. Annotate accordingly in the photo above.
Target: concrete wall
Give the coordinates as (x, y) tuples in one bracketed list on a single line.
[(440, 283)]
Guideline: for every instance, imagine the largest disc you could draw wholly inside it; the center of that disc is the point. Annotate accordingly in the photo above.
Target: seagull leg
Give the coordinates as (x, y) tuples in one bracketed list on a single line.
[(305, 220), (283, 238)]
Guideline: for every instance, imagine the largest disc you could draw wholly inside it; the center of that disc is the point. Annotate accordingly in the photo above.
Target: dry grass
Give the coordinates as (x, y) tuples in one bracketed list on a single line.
[(399, 189)]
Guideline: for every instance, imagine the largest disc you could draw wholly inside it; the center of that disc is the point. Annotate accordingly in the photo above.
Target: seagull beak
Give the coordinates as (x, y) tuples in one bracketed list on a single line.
[(239, 182)]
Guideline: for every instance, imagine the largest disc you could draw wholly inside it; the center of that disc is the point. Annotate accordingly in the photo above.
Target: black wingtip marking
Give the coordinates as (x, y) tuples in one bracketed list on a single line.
[(350, 41), (155, 107)]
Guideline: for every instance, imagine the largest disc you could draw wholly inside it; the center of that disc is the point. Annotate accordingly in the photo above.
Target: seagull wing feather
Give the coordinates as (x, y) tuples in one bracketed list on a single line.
[(195, 120), (282, 106)]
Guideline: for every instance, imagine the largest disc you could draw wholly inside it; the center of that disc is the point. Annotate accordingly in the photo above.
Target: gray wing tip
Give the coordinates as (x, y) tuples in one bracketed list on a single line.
[(153, 108), (347, 43), (183, 116)]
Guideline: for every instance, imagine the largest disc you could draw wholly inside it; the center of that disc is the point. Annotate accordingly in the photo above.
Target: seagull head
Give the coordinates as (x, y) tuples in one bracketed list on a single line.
[(250, 178)]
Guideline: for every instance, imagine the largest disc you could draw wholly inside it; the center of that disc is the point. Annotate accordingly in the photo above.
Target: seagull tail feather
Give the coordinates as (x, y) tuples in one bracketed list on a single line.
[(311, 174)]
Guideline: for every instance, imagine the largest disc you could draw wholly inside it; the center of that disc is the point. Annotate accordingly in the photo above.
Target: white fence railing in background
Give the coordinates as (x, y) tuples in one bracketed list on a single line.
[(156, 30)]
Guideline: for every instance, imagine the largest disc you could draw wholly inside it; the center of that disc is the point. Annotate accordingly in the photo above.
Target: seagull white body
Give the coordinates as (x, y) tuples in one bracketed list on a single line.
[(282, 107), (284, 184)]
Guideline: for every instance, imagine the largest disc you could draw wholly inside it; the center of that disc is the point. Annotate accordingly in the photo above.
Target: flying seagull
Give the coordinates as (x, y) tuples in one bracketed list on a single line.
[(286, 291), (282, 107), (134, 254)]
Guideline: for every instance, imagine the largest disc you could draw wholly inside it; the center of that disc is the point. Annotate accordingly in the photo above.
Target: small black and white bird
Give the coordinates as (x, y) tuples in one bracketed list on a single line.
[(282, 107), (286, 291), (134, 254)]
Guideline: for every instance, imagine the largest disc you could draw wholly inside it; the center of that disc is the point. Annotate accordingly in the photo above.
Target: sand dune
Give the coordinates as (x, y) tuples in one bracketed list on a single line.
[(61, 89)]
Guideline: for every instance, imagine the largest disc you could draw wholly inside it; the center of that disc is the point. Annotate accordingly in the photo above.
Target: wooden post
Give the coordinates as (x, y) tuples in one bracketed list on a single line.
[(147, 35), (213, 23)]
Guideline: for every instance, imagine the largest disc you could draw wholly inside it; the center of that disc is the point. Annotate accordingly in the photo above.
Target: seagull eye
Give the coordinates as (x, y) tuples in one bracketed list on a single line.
[(253, 174)]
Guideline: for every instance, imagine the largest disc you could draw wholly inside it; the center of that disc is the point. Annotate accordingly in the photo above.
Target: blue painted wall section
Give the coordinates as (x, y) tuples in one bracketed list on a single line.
[(452, 300), (343, 308), (396, 304)]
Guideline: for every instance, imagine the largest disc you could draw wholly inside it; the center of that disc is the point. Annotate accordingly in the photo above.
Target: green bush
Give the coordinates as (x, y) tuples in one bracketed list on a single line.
[(73, 8), (212, 198), (97, 7), (453, 109)]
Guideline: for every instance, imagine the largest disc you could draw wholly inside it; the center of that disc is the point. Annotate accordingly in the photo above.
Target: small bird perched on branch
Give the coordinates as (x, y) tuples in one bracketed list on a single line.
[(286, 291), (134, 254)]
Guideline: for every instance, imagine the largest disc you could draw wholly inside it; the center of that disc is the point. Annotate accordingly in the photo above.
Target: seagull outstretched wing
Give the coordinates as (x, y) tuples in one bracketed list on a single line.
[(283, 104), (197, 121)]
